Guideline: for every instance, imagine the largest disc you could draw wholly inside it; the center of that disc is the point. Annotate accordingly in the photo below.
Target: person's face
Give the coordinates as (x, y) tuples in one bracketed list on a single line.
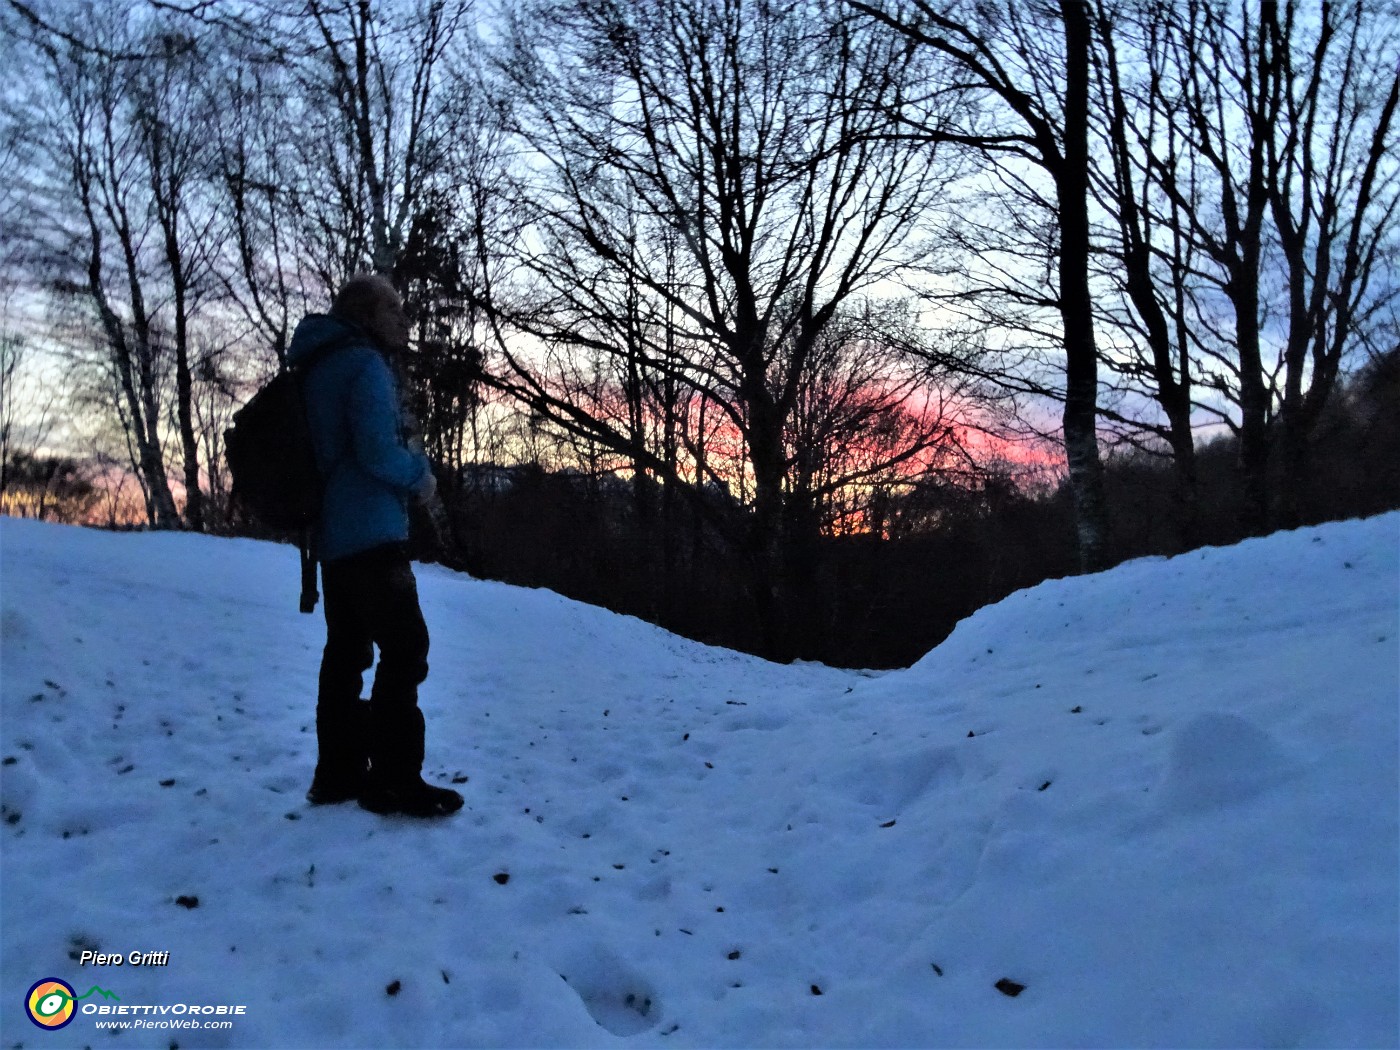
[(391, 324)]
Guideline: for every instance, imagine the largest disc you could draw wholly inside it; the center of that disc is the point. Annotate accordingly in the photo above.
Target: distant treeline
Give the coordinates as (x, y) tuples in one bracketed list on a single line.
[(884, 598)]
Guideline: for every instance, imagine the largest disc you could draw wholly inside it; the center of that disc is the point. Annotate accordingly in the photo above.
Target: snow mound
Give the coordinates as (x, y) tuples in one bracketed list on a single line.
[(1217, 759)]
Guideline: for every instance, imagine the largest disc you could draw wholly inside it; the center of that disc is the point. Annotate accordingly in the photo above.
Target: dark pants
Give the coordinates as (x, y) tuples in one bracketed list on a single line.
[(371, 599)]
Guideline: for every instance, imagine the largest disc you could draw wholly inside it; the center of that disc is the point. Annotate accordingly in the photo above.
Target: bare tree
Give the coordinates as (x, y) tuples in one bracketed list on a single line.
[(172, 115), (381, 69), (1146, 260), (1334, 196), (703, 190), (1033, 63), (95, 151), (1255, 246), (268, 217)]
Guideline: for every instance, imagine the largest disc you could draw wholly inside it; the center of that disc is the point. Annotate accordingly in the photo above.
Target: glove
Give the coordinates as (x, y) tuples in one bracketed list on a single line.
[(426, 488)]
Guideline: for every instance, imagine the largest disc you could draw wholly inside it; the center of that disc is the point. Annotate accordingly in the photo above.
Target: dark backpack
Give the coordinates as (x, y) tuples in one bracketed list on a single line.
[(272, 462)]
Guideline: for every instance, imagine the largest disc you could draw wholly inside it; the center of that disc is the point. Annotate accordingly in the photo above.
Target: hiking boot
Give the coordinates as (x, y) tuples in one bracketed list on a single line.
[(342, 763), (395, 783), (412, 798), (331, 786)]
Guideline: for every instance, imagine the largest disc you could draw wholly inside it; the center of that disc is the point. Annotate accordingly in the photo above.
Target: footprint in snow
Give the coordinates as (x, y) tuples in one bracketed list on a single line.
[(618, 998)]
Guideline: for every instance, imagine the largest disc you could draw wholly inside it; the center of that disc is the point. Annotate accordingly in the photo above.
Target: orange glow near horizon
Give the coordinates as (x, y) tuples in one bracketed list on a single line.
[(976, 443)]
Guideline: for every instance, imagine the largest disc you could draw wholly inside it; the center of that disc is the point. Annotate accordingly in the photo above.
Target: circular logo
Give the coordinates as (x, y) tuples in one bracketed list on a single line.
[(50, 1003)]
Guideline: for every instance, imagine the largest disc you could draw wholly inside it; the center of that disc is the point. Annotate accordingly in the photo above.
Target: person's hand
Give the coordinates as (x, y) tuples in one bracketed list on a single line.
[(425, 489)]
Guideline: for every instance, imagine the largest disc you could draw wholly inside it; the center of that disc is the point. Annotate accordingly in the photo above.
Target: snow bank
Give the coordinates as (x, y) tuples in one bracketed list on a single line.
[(1158, 804)]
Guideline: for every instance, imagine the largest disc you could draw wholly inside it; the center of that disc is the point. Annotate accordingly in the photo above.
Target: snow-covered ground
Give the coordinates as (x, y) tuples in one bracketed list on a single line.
[(1162, 799)]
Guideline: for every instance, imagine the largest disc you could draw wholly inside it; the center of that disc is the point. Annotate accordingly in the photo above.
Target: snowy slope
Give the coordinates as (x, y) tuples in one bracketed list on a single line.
[(1162, 799)]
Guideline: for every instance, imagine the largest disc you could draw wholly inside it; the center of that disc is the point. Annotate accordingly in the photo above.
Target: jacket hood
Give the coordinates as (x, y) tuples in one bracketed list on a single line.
[(317, 330)]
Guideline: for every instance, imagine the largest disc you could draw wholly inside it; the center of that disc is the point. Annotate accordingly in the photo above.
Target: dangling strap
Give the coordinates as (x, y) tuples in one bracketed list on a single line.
[(309, 594)]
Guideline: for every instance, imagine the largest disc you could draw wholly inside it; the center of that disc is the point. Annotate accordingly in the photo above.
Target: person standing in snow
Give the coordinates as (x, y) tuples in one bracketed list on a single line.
[(371, 752)]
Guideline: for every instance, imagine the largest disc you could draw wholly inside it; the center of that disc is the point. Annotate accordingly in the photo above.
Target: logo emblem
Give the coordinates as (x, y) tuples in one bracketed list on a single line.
[(50, 1003)]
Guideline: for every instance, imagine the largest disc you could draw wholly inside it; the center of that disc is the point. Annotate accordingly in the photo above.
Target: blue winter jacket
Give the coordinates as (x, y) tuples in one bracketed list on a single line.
[(352, 408)]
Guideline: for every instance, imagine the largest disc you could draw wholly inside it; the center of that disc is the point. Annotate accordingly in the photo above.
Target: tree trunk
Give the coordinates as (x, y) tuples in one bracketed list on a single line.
[(1293, 431), (766, 527), (1076, 306), (140, 411), (1254, 394), (184, 395)]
